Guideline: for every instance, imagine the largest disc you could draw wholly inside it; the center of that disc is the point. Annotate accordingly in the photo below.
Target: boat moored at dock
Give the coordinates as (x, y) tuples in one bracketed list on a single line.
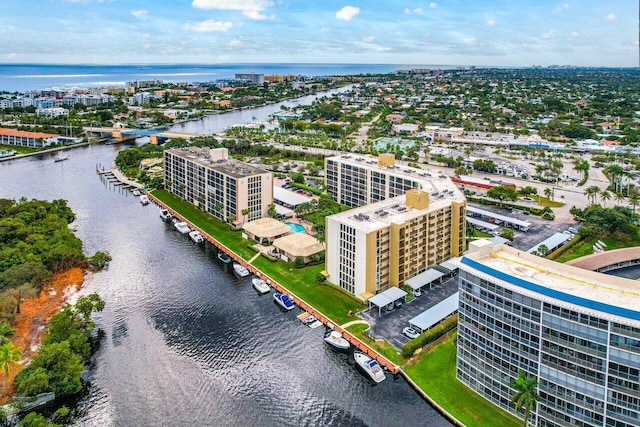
[(196, 236), (260, 285), (165, 215), (337, 341), (370, 367), (144, 199), (224, 257), (240, 270), (283, 301), (182, 227)]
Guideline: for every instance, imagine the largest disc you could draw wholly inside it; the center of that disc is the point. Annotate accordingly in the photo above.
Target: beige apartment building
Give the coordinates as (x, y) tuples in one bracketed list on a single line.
[(220, 185), (377, 246)]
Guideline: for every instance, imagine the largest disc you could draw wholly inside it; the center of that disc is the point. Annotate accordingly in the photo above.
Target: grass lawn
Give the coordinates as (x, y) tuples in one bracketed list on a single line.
[(586, 248), (384, 348), (18, 149), (326, 298), (435, 373)]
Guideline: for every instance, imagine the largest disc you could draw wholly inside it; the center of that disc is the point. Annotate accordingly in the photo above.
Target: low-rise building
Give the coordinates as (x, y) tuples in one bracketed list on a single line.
[(27, 139)]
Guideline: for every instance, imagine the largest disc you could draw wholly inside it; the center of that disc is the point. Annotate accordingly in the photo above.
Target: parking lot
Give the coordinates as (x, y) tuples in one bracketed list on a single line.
[(388, 325), (540, 228)]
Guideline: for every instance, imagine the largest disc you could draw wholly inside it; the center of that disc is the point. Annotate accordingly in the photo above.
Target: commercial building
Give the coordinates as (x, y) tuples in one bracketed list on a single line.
[(358, 180), (576, 331), (257, 79), (381, 245), (27, 139), (218, 184)]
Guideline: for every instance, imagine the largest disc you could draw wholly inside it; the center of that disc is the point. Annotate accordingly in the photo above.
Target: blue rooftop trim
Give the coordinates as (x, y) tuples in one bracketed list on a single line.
[(563, 296)]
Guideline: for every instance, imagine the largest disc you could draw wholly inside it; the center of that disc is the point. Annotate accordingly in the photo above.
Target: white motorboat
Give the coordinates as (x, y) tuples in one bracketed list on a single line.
[(260, 285), (165, 215), (337, 341), (283, 301), (240, 270), (144, 199), (136, 192), (370, 367), (196, 236), (182, 227)]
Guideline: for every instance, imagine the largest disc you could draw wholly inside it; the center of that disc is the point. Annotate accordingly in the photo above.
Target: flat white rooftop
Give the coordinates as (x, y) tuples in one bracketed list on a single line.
[(603, 295), (394, 210)]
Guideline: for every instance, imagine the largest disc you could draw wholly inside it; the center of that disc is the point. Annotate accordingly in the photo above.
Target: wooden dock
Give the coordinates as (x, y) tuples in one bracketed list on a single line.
[(383, 361)]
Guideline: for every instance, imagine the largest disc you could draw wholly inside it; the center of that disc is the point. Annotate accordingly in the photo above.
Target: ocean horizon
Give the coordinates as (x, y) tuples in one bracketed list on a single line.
[(27, 77)]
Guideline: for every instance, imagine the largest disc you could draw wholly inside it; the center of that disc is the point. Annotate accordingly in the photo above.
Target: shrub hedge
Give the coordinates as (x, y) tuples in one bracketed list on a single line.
[(315, 191), (430, 335), (269, 257)]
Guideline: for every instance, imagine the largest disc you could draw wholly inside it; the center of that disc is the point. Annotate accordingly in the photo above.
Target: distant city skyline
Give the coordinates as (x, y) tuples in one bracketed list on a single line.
[(456, 32)]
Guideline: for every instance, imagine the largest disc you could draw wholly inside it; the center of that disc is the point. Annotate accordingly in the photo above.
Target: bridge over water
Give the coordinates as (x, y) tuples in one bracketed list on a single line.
[(130, 134)]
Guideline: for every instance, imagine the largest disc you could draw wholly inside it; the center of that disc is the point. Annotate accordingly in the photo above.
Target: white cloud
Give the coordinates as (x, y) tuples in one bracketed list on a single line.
[(433, 5), (249, 8), (407, 11), (610, 17), (235, 43), (560, 7), (491, 23), (470, 40), (369, 39), (418, 11), (549, 34), (347, 13), (325, 29), (139, 12), (384, 49), (11, 55), (209, 26), (575, 34), (147, 46)]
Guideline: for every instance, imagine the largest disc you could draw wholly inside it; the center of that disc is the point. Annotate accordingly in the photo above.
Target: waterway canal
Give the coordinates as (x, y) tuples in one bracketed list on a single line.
[(187, 343)]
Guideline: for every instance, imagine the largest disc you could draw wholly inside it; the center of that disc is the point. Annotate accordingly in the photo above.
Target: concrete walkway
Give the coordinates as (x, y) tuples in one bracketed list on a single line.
[(355, 322), (254, 257)]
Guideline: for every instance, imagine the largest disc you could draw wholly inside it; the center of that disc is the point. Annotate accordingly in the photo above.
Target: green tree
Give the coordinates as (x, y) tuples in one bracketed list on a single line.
[(9, 356), (525, 395), (99, 260), (272, 211), (5, 331), (507, 233), (298, 262), (245, 212), (33, 419)]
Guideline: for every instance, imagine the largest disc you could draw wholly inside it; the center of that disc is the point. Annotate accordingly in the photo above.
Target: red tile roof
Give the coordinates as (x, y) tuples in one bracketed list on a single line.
[(24, 134)]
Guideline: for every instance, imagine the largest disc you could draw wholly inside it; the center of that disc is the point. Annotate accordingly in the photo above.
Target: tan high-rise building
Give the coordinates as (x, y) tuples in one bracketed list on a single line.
[(222, 186), (374, 247)]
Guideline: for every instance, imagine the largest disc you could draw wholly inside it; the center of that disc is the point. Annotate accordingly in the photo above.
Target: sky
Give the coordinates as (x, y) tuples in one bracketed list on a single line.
[(447, 32)]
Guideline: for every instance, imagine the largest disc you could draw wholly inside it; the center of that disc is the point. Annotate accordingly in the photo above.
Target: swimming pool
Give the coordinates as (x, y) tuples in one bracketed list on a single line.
[(296, 228)]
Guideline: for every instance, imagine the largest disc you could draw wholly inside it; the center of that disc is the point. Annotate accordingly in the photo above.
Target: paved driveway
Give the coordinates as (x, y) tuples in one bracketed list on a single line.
[(389, 324)]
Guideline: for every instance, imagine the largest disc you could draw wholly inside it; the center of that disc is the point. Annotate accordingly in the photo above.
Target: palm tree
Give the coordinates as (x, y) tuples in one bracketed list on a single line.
[(245, 212), (548, 192), (9, 356), (526, 395), (605, 195), (634, 199), (619, 198), (5, 331)]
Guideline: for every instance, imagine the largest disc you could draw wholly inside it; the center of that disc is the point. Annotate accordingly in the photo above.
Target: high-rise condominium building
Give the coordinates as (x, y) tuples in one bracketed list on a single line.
[(224, 187), (374, 247), (358, 180), (576, 331)]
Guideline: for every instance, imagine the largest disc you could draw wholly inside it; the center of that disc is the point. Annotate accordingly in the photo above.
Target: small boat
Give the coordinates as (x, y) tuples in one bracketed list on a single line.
[(337, 341), (165, 215), (283, 301), (260, 285), (61, 159), (196, 236), (309, 320), (370, 367), (224, 257), (144, 199), (136, 192), (182, 227), (240, 270)]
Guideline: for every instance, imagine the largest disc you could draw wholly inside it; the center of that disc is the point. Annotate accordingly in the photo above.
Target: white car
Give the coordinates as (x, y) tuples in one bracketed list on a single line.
[(410, 333)]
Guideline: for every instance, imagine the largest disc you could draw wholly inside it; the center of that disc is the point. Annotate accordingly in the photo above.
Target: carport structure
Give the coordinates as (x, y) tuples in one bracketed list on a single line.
[(387, 297), (425, 278), (435, 314)]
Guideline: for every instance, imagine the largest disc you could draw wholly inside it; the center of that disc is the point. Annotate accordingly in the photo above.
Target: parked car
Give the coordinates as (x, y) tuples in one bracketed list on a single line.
[(410, 333), (398, 303)]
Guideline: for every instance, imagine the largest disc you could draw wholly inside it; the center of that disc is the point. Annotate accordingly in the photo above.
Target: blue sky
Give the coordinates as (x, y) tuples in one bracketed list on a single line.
[(455, 32)]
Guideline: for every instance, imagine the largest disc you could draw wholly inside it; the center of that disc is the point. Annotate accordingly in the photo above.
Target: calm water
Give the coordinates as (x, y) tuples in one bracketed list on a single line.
[(186, 342), (219, 122)]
